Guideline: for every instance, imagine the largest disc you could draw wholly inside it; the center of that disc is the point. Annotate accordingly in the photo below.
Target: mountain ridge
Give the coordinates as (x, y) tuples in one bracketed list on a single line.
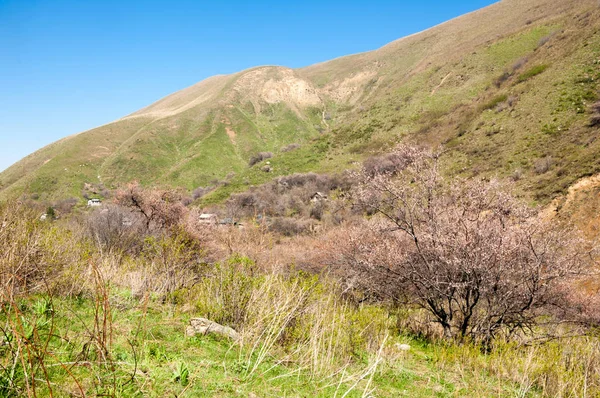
[(350, 107)]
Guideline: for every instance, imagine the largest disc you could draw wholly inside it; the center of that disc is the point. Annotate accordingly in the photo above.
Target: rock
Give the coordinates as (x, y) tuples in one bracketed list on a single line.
[(205, 326), (403, 347)]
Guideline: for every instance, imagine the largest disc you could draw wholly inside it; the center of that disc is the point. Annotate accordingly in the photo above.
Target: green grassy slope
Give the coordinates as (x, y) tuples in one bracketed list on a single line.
[(506, 89), (150, 356)]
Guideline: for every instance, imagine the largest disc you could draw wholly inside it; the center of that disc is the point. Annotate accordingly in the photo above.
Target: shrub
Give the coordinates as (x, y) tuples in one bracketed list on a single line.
[(388, 164), (519, 64), (201, 191), (160, 209), (466, 252), (51, 213), (115, 228), (288, 226), (494, 102), (317, 210), (501, 79), (517, 175), (66, 206), (259, 157), (595, 116), (35, 256), (544, 40), (536, 70), (511, 100), (224, 295), (291, 147), (542, 165), (172, 261), (285, 196)]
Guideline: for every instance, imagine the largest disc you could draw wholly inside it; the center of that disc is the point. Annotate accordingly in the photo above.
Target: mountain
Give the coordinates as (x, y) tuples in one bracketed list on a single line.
[(508, 90)]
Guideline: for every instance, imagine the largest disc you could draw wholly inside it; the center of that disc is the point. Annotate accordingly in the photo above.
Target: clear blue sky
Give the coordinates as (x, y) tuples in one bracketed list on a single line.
[(69, 66)]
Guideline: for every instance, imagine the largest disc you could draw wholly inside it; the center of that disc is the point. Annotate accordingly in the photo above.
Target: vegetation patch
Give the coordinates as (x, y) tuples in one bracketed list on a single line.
[(534, 71), (494, 102)]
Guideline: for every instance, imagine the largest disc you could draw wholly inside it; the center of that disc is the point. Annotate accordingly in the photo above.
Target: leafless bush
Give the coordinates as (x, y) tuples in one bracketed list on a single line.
[(173, 261), (519, 64), (65, 206), (259, 157), (501, 107), (286, 196), (201, 191), (479, 262), (517, 175), (595, 117), (388, 164), (501, 79), (289, 226), (542, 165), (320, 182), (291, 147), (317, 210), (117, 228), (544, 40), (245, 203), (160, 209), (35, 257), (187, 200)]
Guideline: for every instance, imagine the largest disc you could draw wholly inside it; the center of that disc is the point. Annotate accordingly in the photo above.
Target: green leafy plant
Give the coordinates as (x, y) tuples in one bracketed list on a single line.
[(51, 213), (181, 374)]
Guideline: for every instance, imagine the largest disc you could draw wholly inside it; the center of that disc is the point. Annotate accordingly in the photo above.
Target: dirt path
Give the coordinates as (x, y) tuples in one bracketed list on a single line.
[(441, 83)]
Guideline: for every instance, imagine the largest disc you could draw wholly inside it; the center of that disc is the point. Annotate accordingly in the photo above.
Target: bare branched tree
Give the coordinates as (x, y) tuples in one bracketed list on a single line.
[(115, 227), (160, 208), (479, 261)]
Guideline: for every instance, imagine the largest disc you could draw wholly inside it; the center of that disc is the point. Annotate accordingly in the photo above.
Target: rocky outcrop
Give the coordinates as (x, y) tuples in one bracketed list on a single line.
[(206, 326)]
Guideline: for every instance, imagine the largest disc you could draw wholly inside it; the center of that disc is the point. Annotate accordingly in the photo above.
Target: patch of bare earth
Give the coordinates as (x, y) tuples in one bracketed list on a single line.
[(347, 90), (581, 205), (276, 85), (230, 132)]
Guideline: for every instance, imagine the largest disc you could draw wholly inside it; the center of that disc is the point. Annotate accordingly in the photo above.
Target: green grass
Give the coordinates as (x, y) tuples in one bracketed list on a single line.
[(148, 353), (508, 50), (149, 350), (305, 159), (536, 70), (494, 102)]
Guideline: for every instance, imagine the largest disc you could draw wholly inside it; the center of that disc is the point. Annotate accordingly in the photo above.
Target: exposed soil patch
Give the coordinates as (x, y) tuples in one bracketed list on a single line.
[(580, 206), (230, 132)]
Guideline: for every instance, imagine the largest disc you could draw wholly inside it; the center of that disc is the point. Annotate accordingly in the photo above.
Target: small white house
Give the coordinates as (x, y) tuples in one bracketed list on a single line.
[(318, 197), (94, 203)]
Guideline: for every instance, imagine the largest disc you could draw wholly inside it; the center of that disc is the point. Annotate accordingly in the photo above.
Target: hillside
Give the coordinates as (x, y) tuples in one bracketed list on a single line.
[(507, 90), (385, 224)]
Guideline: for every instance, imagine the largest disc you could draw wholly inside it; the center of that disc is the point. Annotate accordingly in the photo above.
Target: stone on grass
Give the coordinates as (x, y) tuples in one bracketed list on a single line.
[(206, 326), (403, 347)]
